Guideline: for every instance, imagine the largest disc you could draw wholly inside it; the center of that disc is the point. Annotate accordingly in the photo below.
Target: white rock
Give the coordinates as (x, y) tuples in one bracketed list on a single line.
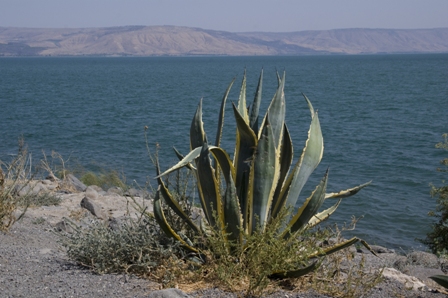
[(408, 281), (91, 193)]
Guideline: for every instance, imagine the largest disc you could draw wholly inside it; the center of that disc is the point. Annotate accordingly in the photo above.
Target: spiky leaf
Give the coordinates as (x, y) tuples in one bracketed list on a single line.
[(441, 280), (184, 162), (221, 114), (346, 193), (276, 112), (246, 142), (286, 154), (324, 215), (264, 178), (209, 193), (309, 160), (242, 106), (254, 115), (340, 246), (309, 207), (232, 213), (161, 220), (295, 273), (197, 133)]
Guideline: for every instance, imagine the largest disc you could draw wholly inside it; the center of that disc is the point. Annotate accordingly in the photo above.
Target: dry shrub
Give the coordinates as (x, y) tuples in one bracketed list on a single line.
[(248, 271), (139, 247), (135, 247), (248, 268), (15, 177), (340, 274)]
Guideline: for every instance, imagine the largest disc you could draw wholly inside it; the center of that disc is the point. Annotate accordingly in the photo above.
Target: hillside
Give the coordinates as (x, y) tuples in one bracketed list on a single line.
[(185, 41)]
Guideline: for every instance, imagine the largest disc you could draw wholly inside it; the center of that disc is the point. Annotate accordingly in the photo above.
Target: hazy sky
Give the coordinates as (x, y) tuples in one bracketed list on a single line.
[(228, 15)]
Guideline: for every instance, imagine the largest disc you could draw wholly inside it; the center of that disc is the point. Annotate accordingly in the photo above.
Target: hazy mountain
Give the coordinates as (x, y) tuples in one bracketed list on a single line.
[(184, 41)]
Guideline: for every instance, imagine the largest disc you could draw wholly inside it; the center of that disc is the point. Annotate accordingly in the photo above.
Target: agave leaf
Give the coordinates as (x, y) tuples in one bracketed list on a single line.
[(209, 193), (161, 220), (232, 213), (309, 208), (180, 156), (256, 105), (295, 273), (286, 155), (172, 203), (263, 178), (342, 245), (184, 162), (220, 126), (242, 106), (322, 216), (346, 193), (310, 106), (309, 160), (246, 142), (224, 162), (221, 114), (197, 133), (276, 112), (441, 280)]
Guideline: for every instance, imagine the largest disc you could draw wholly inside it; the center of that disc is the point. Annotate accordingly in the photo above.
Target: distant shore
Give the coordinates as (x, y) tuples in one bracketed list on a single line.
[(184, 41)]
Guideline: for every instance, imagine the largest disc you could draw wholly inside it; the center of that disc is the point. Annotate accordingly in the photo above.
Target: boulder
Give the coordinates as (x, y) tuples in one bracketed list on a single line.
[(424, 259), (50, 185), (410, 282), (75, 183), (91, 193), (96, 210)]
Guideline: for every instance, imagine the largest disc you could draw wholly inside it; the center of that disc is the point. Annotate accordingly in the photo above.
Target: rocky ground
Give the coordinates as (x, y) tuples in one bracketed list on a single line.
[(34, 264)]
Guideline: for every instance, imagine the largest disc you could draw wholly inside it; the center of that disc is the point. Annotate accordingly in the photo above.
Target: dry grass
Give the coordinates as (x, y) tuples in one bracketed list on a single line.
[(15, 177), (248, 274), (135, 247), (139, 247)]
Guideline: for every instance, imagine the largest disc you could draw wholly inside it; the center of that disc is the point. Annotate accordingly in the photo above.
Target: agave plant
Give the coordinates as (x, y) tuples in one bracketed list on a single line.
[(241, 195), (441, 280)]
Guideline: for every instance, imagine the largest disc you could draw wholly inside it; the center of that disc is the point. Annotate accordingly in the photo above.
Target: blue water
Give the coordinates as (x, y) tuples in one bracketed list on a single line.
[(381, 117)]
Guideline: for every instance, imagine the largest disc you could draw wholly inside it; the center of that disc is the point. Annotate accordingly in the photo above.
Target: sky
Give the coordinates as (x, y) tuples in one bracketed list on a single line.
[(228, 15)]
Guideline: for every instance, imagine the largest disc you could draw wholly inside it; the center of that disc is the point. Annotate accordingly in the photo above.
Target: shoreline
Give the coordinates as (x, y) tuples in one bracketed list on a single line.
[(33, 262)]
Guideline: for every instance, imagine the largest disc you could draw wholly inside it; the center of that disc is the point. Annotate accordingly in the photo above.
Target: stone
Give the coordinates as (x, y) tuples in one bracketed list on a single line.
[(96, 210), (410, 282), (75, 183), (381, 250), (115, 190), (168, 293), (425, 259), (32, 188), (91, 193), (53, 178), (97, 188), (400, 263)]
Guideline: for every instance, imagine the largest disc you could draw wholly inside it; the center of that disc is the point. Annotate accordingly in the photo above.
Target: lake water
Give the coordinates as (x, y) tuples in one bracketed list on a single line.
[(380, 115)]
